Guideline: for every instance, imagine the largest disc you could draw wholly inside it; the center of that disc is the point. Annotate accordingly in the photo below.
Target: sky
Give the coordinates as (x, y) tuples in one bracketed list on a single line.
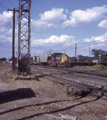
[(56, 26)]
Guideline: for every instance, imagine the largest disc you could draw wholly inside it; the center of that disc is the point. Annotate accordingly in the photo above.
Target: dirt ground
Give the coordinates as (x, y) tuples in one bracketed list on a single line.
[(44, 100)]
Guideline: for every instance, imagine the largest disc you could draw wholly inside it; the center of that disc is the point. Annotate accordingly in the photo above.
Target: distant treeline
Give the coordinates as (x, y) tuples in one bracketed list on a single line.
[(3, 59)]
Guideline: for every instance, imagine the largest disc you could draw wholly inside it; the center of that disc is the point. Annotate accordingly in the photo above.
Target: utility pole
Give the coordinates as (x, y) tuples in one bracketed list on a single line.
[(13, 46), (13, 40), (24, 37), (49, 52), (75, 53), (89, 50), (99, 57)]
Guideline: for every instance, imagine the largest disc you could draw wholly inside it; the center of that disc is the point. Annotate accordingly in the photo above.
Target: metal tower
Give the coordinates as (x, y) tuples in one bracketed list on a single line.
[(24, 37)]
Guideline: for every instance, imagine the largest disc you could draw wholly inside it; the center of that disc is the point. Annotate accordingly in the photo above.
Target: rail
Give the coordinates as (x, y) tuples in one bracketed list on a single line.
[(81, 85)]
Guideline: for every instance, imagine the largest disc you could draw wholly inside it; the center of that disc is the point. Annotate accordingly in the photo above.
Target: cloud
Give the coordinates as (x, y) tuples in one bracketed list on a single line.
[(82, 17), (57, 16), (2, 29), (6, 18), (6, 27), (103, 24), (101, 38), (50, 18), (5, 39), (66, 11), (38, 24), (53, 41), (54, 15)]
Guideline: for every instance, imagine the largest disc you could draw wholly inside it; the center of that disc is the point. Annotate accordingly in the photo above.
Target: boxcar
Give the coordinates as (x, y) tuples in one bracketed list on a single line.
[(36, 60), (44, 59)]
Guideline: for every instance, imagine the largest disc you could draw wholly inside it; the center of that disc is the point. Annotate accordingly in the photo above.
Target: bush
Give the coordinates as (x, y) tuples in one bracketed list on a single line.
[(99, 67)]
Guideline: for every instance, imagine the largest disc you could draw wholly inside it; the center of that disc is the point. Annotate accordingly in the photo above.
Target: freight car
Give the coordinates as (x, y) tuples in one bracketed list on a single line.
[(59, 60), (44, 59), (103, 59), (36, 60), (84, 60)]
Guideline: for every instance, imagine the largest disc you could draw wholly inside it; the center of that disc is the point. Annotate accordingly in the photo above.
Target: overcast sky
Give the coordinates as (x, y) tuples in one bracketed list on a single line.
[(58, 25)]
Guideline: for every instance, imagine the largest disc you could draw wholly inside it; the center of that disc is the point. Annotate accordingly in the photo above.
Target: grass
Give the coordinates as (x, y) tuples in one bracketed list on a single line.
[(99, 67), (96, 67)]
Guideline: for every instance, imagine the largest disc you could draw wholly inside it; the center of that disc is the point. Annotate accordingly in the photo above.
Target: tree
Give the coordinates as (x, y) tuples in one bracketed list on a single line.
[(96, 52), (3, 59), (10, 59), (80, 55)]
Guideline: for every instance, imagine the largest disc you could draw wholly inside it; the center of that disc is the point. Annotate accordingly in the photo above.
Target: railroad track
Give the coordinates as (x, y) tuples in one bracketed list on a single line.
[(77, 70), (5, 65), (100, 78), (72, 84)]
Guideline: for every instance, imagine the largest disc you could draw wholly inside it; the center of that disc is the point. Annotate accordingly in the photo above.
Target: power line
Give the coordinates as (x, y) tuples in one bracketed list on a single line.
[(3, 6), (89, 44), (93, 41), (11, 3), (84, 44), (81, 45)]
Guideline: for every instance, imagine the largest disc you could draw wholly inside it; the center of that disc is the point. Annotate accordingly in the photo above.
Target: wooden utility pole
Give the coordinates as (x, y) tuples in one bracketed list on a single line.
[(13, 40), (49, 52), (13, 45), (89, 50), (75, 53)]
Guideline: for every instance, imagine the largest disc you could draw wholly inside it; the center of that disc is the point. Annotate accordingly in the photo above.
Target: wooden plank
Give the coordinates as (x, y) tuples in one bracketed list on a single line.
[(60, 118), (53, 116)]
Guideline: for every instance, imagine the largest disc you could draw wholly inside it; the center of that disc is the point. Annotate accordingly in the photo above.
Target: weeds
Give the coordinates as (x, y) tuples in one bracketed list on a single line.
[(95, 67), (7, 75), (99, 67)]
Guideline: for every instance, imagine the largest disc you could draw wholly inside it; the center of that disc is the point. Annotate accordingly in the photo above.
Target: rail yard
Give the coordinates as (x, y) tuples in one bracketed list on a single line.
[(51, 93), (50, 68)]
